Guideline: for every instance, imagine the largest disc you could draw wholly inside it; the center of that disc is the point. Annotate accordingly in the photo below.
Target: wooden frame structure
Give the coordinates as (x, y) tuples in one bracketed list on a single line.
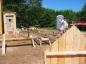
[(32, 37), (70, 48)]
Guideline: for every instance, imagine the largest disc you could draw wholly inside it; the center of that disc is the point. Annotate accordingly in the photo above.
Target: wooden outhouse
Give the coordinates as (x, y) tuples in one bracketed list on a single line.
[(9, 19)]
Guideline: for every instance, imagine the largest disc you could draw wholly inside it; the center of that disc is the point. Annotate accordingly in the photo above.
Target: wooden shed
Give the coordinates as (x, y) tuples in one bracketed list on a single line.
[(70, 48)]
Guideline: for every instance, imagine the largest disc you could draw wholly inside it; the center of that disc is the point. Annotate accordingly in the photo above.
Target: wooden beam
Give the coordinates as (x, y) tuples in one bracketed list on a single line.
[(66, 53)]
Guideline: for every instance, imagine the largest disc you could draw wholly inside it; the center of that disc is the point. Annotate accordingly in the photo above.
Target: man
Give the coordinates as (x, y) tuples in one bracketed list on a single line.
[(61, 24)]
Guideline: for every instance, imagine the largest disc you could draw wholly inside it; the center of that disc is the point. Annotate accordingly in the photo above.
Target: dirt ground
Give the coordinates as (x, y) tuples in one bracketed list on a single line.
[(23, 55), (22, 52)]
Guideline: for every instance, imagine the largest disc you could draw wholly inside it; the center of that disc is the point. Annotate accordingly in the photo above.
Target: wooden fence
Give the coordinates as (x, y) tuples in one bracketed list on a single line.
[(70, 48)]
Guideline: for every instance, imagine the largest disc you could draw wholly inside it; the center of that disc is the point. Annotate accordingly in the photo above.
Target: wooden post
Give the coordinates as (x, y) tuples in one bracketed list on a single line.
[(1, 30), (3, 45), (40, 42), (49, 42), (33, 42)]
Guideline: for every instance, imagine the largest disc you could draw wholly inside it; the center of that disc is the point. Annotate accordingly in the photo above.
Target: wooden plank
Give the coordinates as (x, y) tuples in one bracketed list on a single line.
[(73, 53), (76, 44), (54, 47), (48, 60), (54, 60), (61, 45), (61, 60), (82, 60), (69, 41)]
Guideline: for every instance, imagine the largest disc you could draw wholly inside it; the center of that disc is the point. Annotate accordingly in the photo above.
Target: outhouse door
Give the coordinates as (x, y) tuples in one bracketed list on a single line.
[(9, 24)]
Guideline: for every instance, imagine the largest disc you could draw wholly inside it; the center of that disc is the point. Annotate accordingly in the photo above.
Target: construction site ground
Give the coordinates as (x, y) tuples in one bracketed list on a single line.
[(22, 52)]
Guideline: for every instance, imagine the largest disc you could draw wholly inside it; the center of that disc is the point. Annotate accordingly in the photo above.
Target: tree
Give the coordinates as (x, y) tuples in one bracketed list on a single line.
[(83, 12), (11, 2), (70, 15), (31, 13), (34, 3), (47, 18), (26, 12)]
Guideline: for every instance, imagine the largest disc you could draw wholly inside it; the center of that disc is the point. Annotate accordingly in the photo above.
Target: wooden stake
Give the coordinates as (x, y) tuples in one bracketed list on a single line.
[(3, 45), (33, 42)]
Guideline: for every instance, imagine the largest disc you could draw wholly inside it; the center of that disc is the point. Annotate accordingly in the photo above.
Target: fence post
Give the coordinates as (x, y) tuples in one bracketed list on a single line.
[(3, 45)]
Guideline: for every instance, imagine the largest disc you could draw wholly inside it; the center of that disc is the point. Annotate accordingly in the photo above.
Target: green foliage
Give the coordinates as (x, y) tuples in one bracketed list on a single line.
[(32, 13), (70, 15), (48, 18), (82, 13), (34, 3)]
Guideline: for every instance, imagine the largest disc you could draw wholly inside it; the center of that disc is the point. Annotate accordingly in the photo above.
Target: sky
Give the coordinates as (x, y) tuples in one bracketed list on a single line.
[(75, 5)]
